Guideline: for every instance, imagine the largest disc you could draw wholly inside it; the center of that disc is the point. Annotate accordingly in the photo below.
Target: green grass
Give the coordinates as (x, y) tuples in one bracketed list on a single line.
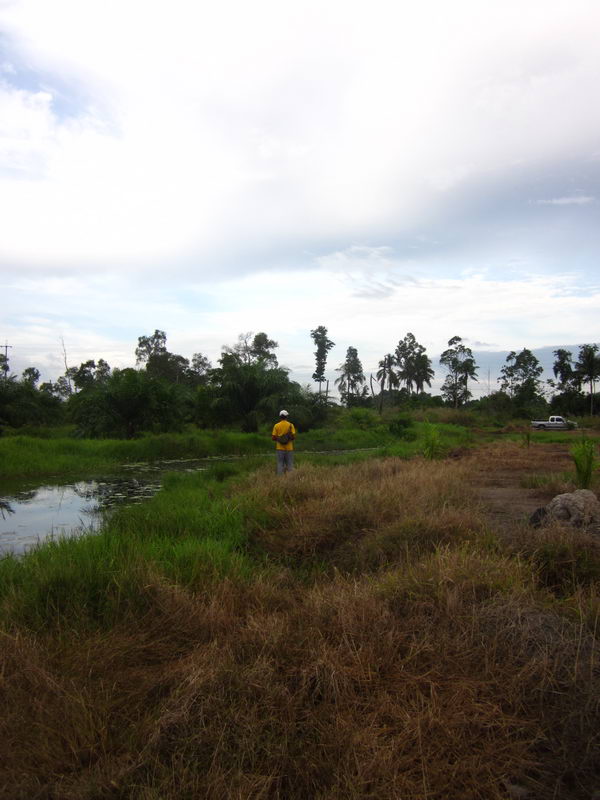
[(28, 456), (584, 457), (190, 534)]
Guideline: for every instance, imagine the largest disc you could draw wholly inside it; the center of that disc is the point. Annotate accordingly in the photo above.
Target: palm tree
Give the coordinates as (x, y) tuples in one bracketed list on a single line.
[(352, 377), (423, 372), (386, 373), (588, 367)]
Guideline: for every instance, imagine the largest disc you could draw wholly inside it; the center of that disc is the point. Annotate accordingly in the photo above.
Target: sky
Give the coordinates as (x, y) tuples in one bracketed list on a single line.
[(209, 169)]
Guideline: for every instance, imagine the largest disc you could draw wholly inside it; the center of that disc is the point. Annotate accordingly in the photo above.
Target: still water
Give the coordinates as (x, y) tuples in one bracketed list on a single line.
[(33, 514)]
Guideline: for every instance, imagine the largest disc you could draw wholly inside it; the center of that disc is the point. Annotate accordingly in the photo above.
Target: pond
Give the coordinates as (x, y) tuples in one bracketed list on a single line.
[(32, 514)]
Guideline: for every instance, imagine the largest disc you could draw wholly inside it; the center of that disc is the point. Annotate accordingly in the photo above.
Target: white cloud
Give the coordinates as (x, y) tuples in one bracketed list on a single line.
[(573, 200), (365, 157), (216, 128)]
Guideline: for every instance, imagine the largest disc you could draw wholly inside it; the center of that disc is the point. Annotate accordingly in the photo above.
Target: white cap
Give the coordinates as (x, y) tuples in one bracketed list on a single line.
[(283, 413)]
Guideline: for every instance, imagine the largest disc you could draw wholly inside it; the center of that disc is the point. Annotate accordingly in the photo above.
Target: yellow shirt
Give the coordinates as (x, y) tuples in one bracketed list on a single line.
[(281, 427)]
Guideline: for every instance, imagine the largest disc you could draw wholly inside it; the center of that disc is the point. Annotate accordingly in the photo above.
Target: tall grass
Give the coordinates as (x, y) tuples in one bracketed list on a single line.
[(26, 456), (189, 533), (23, 456)]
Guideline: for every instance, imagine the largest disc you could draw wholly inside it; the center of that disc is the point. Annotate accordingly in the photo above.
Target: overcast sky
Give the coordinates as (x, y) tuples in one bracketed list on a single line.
[(214, 168)]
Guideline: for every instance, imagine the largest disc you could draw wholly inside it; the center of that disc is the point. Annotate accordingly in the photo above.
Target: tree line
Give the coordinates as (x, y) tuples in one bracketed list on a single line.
[(165, 390)]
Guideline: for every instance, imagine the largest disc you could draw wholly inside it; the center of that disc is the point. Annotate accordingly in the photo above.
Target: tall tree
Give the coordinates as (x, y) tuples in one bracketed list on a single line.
[(200, 367), (103, 371), (262, 349), (150, 346), (423, 372), (386, 374), (83, 376), (323, 345), (588, 368), (520, 374), (409, 360), (352, 377), (251, 348), (460, 363), (4, 366), (31, 375), (563, 369)]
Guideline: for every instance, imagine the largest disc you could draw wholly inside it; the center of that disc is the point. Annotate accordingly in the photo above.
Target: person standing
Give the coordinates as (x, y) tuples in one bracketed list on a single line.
[(284, 434)]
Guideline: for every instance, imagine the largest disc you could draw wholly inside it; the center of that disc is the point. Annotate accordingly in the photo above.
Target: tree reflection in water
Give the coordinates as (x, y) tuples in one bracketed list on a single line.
[(6, 508)]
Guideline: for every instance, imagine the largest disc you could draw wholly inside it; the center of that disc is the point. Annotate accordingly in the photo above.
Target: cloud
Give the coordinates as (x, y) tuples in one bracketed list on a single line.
[(182, 167), (576, 200), (220, 136)]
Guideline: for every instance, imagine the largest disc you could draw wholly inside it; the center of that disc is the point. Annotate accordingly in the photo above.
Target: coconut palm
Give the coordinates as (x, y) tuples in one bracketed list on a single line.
[(423, 372), (588, 367), (386, 374), (352, 377)]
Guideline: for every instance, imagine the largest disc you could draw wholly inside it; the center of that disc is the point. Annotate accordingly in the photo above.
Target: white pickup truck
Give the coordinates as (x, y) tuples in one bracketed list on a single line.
[(553, 424)]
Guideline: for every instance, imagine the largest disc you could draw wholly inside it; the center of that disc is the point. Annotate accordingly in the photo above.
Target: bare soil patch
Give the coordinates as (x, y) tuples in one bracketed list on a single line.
[(502, 470)]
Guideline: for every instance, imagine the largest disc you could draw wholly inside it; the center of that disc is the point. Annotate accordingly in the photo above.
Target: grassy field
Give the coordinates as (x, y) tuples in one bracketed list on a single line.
[(350, 631), (34, 456)]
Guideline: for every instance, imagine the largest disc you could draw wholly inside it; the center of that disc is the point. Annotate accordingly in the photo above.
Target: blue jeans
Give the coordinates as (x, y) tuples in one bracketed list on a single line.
[(285, 461)]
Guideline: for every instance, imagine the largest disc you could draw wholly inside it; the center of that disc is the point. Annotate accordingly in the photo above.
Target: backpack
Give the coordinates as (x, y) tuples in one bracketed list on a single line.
[(286, 437)]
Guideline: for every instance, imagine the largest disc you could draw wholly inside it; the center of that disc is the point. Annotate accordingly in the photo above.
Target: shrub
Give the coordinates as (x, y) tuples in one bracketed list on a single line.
[(432, 444), (584, 456)]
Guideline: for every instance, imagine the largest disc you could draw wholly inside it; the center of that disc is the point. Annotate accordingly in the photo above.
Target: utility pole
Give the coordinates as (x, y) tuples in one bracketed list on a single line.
[(4, 367)]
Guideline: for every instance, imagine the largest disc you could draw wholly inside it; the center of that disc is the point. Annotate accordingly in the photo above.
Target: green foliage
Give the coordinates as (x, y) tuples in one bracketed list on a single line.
[(253, 349), (21, 403), (252, 391), (323, 345), (583, 454), (352, 378), (588, 368), (432, 443), (461, 367), (413, 365), (362, 418), (127, 402), (401, 426)]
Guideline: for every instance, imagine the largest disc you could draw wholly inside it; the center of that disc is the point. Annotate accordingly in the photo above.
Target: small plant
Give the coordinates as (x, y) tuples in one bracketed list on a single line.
[(584, 456), (432, 444), (526, 438)]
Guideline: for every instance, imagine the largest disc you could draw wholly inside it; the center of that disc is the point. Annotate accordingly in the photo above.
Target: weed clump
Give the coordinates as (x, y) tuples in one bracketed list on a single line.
[(583, 454)]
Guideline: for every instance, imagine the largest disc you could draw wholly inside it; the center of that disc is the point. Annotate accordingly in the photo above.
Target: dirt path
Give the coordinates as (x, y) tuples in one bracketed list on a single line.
[(504, 471)]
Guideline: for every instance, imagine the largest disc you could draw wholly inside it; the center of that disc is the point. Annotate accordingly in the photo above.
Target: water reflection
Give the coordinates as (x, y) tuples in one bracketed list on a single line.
[(32, 515), (6, 508)]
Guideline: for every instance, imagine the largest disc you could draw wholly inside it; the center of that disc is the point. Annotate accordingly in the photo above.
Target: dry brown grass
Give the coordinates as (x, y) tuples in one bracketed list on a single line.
[(366, 515), (441, 671), (515, 457), (431, 685)]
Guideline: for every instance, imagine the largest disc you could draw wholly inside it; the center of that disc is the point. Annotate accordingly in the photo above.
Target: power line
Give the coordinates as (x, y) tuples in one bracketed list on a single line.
[(6, 347)]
